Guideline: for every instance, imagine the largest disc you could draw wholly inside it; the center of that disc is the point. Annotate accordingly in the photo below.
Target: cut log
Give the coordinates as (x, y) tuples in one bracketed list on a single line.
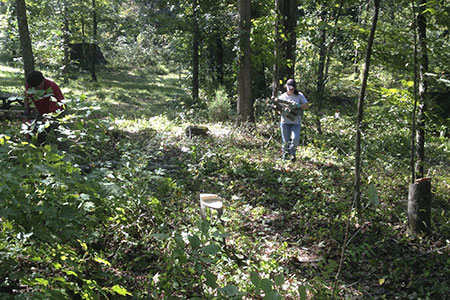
[(419, 206)]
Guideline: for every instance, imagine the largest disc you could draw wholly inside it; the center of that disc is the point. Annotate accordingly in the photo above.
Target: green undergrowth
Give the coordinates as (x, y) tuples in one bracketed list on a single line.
[(111, 208)]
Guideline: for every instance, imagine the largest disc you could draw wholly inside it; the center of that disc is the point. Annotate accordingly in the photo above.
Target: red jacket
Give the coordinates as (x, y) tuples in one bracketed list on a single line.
[(46, 104)]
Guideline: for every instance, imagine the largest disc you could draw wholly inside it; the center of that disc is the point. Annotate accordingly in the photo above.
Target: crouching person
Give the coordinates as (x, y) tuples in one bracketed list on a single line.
[(47, 98)]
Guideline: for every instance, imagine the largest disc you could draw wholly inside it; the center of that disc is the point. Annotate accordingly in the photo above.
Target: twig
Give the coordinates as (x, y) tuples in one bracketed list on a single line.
[(344, 245), (350, 239)]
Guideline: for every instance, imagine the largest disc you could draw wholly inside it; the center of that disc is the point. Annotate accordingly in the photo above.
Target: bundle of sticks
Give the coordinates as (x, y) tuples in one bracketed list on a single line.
[(289, 109)]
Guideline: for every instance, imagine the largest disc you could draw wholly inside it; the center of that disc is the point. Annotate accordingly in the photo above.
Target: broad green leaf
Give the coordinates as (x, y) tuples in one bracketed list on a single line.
[(160, 236), (266, 285), (211, 249), (42, 281), (230, 290), (120, 290), (195, 241), (279, 279), (273, 295), (211, 279), (204, 226), (302, 292), (373, 195), (179, 241), (255, 278)]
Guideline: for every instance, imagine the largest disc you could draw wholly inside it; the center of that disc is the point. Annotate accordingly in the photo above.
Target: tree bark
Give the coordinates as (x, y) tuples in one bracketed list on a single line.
[(324, 63), (195, 47), (94, 42), (285, 43), (245, 112), (25, 41), (419, 206), (423, 86), (291, 42), (66, 36), (413, 115), (357, 198), (320, 86)]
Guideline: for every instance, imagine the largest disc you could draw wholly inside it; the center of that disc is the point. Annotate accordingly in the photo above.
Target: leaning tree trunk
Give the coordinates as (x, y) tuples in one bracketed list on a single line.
[(357, 198), (94, 42), (195, 46), (423, 86), (25, 41), (245, 111)]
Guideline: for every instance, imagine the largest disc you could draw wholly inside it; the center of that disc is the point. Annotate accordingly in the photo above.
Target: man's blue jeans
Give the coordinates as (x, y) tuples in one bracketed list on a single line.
[(290, 134)]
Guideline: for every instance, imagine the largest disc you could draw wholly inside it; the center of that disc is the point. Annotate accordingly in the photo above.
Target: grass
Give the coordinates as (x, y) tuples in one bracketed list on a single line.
[(281, 218)]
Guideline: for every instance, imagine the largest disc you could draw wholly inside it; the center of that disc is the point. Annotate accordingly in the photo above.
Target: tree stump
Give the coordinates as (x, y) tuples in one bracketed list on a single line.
[(195, 130), (211, 201), (419, 206)]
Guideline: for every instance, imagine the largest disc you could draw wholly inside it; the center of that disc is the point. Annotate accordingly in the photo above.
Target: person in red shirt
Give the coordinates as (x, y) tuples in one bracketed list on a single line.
[(45, 94), (47, 98)]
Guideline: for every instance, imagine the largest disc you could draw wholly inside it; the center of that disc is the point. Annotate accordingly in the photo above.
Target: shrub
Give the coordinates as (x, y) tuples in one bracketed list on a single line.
[(219, 108)]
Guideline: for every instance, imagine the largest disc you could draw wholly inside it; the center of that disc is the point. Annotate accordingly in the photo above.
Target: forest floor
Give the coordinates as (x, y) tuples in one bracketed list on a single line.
[(137, 229)]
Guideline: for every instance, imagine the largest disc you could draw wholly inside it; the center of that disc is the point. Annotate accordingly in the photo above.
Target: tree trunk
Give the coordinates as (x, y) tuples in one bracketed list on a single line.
[(419, 206), (83, 37), (291, 42), (278, 49), (245, 111), (195, 47), (25, 41), (285, 42), (94, 42), (423, 86), (413, 115), (66, 35), (324, 63), (320, 72), (357, 199), (220, 58)]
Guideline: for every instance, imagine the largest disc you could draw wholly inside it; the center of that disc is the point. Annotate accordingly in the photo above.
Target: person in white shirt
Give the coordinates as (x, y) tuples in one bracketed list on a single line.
[(291, 119)]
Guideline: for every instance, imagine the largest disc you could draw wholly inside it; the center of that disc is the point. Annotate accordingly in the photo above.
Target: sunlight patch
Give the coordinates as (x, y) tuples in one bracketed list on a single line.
[(9, 69)]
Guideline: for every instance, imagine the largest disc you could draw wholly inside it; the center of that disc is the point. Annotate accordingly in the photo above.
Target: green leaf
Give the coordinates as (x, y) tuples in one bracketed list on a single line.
[(373, 195), (179, 241), (195, 241), (160, 236), (211, 249), (302, 292), (230, 290), (204, 227), (42, 281), (102, 261), (120, 290), (211, 279), (255, 278), (273, 295), (266, 285), (279, 279)]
